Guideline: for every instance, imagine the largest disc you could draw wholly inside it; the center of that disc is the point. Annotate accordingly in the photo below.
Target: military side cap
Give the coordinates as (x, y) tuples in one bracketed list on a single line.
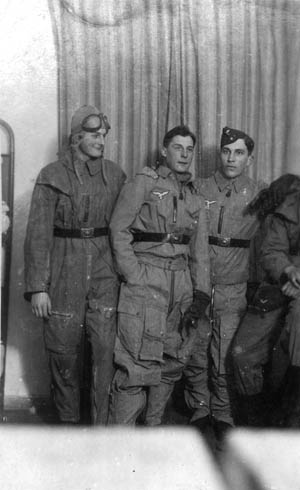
[(230, 135)]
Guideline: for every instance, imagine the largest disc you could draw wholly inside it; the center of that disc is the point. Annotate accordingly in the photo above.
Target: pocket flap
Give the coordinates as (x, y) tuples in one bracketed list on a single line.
[(126, 305)]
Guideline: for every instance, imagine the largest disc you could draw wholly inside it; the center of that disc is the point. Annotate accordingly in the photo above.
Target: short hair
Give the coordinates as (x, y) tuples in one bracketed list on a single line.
[(178, 131), (249, 143)]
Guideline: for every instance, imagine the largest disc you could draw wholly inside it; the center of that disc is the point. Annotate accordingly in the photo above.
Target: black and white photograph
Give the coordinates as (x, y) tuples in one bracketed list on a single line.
[(150, 257)]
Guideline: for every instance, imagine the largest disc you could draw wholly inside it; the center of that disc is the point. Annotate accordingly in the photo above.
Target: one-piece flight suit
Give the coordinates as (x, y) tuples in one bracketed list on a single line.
[(280, 249), (230, 231), (68, 255), (159, 238)]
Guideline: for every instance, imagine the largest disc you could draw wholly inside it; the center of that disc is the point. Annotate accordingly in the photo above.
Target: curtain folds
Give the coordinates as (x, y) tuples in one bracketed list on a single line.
[(150, 65)]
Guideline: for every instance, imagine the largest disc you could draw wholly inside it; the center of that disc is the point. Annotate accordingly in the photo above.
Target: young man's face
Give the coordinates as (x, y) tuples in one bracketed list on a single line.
[(179, 153), (92, 144), (234, 159)]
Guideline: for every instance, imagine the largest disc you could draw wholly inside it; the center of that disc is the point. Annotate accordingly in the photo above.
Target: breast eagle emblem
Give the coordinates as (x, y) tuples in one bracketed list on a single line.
[(159, 194), (208, 203)]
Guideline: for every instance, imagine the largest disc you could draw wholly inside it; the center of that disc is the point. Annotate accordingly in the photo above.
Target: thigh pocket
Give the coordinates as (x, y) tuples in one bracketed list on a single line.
[(62, 333), (141, 329), (154, 333)]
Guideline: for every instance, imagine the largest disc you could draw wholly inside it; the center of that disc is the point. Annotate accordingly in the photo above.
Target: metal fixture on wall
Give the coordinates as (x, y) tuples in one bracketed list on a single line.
[(7, 145)]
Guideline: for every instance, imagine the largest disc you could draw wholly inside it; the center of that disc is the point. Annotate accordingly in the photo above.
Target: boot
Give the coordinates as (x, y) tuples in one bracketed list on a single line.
[(221, 429), (201, 424), (290, 401), (252, 410)]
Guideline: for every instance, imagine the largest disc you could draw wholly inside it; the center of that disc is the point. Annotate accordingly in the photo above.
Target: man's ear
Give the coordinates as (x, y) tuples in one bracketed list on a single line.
[(164, 152), (250, 160)]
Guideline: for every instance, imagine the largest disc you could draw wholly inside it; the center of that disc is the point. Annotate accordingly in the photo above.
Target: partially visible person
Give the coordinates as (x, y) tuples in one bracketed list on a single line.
[(160, 241), (69, 271), (262, 325), (281, 259), (227, 194)]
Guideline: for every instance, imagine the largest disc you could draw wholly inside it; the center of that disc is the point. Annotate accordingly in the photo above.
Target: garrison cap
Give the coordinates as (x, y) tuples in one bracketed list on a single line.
[(230, 135)]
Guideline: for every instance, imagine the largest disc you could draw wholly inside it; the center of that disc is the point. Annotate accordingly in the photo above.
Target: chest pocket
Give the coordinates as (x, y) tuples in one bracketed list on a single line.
[(64, 211), (157, 209)]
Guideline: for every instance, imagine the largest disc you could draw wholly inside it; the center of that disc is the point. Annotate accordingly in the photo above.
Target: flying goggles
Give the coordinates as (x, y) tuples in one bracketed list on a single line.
[(94, 122)]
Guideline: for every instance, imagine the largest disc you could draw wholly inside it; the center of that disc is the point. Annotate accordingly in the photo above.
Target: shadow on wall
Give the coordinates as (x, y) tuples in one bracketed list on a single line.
[(26, 369), (209, 161)]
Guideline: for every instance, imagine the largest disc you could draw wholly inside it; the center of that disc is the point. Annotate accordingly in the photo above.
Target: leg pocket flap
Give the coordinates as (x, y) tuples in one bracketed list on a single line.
[(154, 333), (130, 325)]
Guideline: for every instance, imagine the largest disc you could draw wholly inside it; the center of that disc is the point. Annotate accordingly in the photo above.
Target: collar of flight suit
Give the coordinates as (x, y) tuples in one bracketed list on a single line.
[(237, 184), (164, 172), (94, 166)]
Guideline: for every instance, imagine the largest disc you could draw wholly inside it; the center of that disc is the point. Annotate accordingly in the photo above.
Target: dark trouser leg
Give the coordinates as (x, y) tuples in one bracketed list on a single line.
[(251, 351), (293, 330), (290, 403), (103, 290), (101, 329), (63, 334), (65, 372)]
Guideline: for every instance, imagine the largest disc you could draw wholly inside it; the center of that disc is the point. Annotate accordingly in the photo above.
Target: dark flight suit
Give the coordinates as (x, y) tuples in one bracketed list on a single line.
[(256, 339), (159, 278), (230, 231), (281, 248), (75, 197)]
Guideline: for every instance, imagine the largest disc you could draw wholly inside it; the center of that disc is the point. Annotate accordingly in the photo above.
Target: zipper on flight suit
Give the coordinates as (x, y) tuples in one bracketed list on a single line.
[(220, 222), (175, 207), (221, 215)]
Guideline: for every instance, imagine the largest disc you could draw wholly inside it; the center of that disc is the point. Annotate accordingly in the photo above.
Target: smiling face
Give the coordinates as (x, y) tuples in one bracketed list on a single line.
[(92, 144), (179, 153), (235, 159)]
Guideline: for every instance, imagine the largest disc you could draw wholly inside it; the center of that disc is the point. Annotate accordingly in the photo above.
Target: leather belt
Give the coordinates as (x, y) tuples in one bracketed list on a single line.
[(228, 242), (175, 238), (80, 232)]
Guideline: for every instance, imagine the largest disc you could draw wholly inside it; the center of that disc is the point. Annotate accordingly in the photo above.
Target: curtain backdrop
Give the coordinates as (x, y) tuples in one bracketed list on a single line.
[(152, 64)]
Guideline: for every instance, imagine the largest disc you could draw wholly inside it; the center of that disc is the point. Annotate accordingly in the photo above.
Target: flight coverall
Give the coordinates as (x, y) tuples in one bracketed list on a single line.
[(68, 255), (280, 249), (230, 231), (159, 278), (255, 343)]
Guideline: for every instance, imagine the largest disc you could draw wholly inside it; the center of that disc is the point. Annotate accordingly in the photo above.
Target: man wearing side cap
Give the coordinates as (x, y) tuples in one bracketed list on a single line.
[(69, 274), (227, 194)]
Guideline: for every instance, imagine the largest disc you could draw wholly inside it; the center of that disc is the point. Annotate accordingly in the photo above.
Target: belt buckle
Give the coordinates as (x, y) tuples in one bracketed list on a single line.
[(174, 237), (225, 241), (87, 232)]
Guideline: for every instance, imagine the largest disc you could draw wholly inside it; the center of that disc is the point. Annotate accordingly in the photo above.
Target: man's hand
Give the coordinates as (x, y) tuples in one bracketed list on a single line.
[(41, 305), (195, 311), (292, 273), (291, 291), (290, 280)]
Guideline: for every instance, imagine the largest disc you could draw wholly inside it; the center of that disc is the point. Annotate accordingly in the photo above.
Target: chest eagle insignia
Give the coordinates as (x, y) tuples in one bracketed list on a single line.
[(159, 194), (208, 203)]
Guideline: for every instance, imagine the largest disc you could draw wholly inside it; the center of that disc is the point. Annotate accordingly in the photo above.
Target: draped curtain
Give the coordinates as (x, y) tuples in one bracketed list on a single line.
[(152, 64)]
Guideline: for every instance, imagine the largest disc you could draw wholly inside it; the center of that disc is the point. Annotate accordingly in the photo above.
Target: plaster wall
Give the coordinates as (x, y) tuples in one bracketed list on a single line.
[(28, 103)]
